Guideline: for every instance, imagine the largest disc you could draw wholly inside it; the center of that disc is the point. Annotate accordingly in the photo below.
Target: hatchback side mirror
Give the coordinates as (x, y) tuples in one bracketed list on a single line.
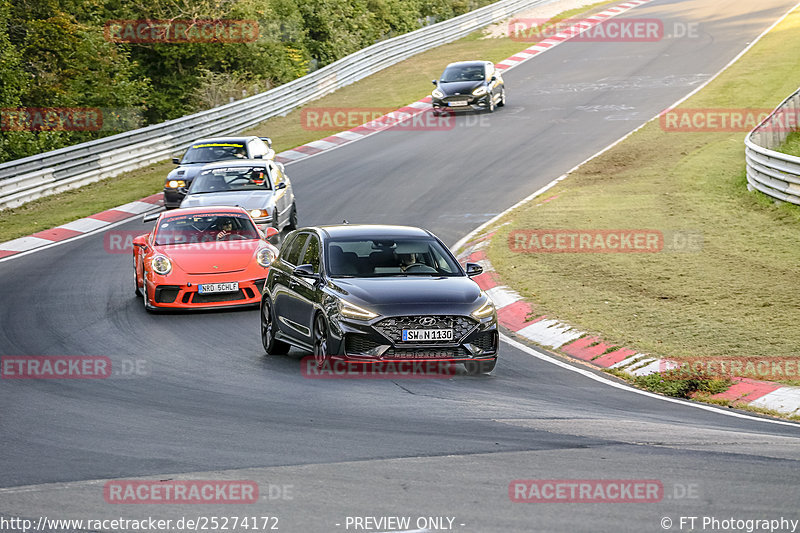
[(176, 161), (473, 269), (282, 185), (306, 271), (434, 82)]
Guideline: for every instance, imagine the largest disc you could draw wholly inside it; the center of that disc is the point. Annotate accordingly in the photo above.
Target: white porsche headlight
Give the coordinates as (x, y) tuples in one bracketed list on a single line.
[(348, 310), (265, 257), (161, 265), (480, 91), (437, 93)]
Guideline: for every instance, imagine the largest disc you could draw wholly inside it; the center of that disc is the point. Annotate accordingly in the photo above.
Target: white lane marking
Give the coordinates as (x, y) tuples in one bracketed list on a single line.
[(502, 296), (24, 244), (628, 360), (591, 375), (321, 145), (549, 332), (784, 400), (292, 155), (137, 208), (350, 135), (85, 224)]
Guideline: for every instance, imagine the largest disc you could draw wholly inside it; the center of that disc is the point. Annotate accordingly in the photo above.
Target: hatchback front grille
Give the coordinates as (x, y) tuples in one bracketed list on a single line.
[(486, 341), (393, 327), (358, 344)]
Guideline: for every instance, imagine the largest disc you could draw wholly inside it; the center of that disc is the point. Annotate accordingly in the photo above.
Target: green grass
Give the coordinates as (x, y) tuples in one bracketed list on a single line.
[(737, 296), (390, 89), (792, 144)]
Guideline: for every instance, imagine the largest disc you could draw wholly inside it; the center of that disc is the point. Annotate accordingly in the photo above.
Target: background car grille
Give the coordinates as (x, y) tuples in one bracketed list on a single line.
[(456, 98), (393, 327), (358, 344)]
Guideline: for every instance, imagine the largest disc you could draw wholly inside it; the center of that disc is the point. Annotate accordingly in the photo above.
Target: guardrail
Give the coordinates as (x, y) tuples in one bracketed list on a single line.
[(68, 168), (774, 173)]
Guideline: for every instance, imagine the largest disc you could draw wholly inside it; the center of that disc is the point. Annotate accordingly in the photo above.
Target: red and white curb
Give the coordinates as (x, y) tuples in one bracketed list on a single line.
[(414, 109), (80, 227), (516, 315)]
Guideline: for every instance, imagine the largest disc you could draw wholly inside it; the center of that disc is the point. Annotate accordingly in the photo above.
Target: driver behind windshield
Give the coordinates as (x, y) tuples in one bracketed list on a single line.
[(225, 229)]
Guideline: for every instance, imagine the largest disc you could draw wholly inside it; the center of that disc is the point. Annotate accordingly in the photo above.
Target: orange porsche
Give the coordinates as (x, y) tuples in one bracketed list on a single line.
[(202, 258)]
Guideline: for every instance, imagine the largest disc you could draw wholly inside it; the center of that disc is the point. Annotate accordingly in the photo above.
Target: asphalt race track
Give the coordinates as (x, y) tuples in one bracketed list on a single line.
[(208, 404)]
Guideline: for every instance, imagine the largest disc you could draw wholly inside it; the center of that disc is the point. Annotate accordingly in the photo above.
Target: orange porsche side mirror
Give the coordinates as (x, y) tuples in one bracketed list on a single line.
[(270, 233), (141, 240)]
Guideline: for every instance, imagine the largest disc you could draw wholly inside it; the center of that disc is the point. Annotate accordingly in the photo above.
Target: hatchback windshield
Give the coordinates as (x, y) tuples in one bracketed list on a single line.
[(194, 228), (463, 73), (210, 152), (389, 257), (230, 179)]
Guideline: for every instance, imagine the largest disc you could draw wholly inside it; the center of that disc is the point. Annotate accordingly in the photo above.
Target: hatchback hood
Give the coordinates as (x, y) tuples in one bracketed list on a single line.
[(245, 199), (212, 257), (463, 87), (402, 294)]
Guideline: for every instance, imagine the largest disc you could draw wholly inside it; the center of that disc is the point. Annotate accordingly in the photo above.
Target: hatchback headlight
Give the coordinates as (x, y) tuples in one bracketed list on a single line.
[(480, 91), (348, 310), (259, 213), (437, 93), (161, 265), (265, 257), (485, 310), (174, 184)]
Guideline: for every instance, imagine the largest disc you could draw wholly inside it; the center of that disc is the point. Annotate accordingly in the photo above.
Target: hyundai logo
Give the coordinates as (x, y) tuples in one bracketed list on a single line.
[(427, 321)]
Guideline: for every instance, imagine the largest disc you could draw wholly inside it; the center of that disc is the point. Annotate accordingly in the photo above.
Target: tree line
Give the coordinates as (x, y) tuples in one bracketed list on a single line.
[(61, 61)]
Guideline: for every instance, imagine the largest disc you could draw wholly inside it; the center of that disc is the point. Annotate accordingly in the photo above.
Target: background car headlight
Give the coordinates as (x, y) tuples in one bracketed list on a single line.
[(259, 213), (161, 265), (437, 93), (265, 257), (485, 310), (480, 91), (348, 310), (174, 184)]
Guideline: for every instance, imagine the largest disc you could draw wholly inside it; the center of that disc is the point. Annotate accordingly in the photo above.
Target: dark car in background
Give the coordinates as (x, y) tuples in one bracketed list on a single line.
[(468, 85), (366, 293), (207, 151)]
